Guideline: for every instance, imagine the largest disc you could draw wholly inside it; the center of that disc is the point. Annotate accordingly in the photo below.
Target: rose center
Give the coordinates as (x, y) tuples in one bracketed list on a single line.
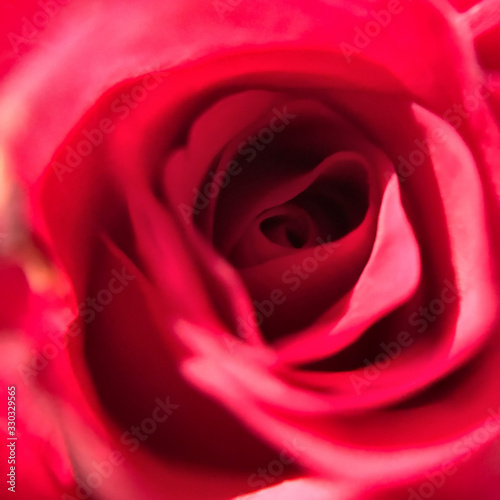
[(288, 225)]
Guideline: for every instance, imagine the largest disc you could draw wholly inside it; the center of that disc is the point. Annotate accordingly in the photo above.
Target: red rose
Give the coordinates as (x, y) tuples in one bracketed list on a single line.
[(250, 250)]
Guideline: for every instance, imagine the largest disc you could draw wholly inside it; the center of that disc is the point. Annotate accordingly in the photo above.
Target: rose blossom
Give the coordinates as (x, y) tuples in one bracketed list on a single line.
[(250, 249)]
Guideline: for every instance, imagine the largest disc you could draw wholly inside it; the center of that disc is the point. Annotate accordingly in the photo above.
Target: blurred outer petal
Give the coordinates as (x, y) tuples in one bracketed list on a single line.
[(64, 434), (195, 30), (401, 468), (14, 295), (14, 22), (42, 464)]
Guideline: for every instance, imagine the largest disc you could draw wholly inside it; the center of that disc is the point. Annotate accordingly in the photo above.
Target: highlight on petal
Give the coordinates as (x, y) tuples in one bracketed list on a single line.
[(298, 489), (391, 276), (482, 16)]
